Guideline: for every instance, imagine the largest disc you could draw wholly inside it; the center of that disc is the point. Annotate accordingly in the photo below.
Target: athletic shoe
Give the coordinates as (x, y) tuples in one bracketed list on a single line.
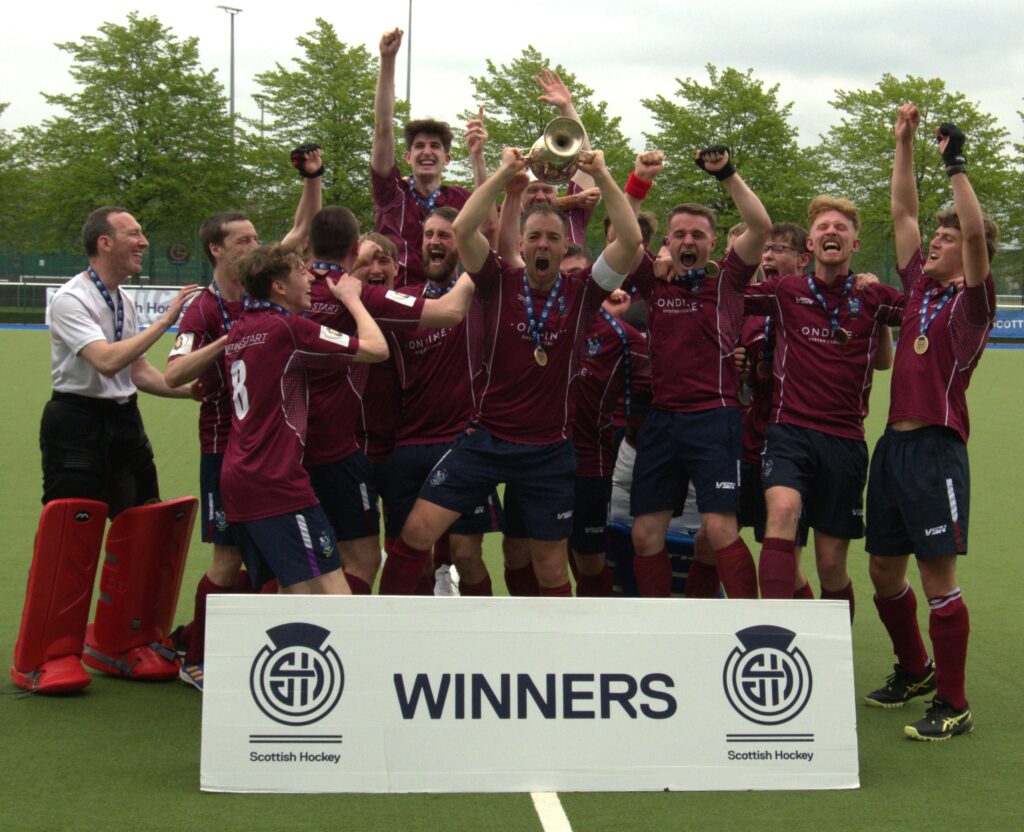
[(901, 687), (192, 674), (446, 580), (941, 721), (178, 640)]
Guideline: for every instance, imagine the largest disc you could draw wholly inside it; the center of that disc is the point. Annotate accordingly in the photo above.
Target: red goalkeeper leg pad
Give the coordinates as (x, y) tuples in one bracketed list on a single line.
[(67, 549), (142, 569)]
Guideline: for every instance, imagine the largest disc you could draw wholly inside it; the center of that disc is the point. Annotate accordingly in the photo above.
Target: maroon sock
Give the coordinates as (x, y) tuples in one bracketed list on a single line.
[(522, 582), (949, 626), (805, 593), (899, 616), (197, 639), (443, 551), (402, 569), (653, 575), (425, 585), (776, 568), (702, 580), (736, 569), (595, 586), (561, 591), (357, 584), (844, 594), (242, 583), (481, 589)]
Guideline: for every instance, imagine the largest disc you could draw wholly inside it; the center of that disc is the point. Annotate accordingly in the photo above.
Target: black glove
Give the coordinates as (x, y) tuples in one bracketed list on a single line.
[(725, 172), (953, 156), (299, 159)]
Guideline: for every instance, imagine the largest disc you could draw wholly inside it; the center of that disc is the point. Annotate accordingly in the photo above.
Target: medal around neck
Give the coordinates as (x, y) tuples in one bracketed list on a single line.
[(842, 336), (921, 344), (540, 356)]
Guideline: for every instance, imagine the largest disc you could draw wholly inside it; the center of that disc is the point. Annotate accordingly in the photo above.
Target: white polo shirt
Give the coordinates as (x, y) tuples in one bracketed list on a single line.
[(77, 317)]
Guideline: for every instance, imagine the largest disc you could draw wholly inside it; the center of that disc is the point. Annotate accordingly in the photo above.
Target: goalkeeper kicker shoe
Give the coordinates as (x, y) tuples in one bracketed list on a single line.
[(941, 721), (900, 687)]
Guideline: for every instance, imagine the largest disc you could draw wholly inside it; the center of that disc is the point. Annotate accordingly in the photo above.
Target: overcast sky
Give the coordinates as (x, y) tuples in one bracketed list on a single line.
[(625, 51)]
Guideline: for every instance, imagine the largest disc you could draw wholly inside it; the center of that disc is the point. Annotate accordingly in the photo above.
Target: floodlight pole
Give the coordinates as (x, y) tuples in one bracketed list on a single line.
[(233, 11)]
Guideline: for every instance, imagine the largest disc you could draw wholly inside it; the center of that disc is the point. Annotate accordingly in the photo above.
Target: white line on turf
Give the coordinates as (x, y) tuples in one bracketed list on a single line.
[(550, 811)]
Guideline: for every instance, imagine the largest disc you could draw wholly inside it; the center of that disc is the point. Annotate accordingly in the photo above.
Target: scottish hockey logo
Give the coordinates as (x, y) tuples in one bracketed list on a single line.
[(296, 680), (767, 680)]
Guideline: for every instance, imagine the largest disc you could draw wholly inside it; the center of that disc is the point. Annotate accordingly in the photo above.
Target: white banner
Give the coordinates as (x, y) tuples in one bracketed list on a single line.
[(383, 694), (150, 303)]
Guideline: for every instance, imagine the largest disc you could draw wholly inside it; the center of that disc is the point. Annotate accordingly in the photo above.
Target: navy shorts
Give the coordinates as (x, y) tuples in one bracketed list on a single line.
[(348, 493), (753, 512), (290, 547), (540, 475), (675, 448), (216, 528), (919, 494), (828, 471), (590, 515), (407, 469)]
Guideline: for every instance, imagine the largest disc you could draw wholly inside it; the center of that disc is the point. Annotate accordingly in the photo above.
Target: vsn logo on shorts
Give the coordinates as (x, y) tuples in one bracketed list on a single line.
[(767, 681), (295, 680)]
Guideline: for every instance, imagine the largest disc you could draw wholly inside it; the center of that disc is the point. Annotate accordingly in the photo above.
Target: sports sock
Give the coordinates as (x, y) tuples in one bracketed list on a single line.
[(242, 583), (702, 580), (443, 551), (425, 585), (899, 616), (479, 589), (653, 575), (844, 594), (949, 626), (805, 593), (561, 591), (271, 587), (776, 568), (402, 569), (595, 586), (736, 569), (357, 584), (522, 582), (197, 638)]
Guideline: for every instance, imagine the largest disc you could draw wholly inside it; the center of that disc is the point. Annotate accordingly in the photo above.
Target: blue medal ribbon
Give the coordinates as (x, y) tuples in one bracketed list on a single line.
[(251, 305), (537, 327), (833, 314), (428, 204), (926, 319), (691, 279), (327, 267), (223, 309), (431, 291), (769, 343), (117, 310), (627, 368)]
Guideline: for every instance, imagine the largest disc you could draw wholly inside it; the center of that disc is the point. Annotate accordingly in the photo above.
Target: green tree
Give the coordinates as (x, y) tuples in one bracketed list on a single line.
[(14, 190), (327, 98), (858, 152), (735, 109), (147, 130), (514, 117)]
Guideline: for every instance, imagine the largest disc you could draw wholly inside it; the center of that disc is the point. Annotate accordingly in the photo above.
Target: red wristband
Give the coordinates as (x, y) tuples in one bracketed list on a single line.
[(637, 187)]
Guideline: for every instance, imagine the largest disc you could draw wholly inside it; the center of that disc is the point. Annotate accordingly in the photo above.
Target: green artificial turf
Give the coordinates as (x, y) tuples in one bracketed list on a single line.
[(125, 755)]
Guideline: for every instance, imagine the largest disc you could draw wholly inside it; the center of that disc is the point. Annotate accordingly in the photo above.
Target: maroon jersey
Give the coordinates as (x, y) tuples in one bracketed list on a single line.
[(202, 324), (436, 372), (821, 383), (579, 218), (932, 387), (694, 333), (266, 359), (521, 401), (600, 384), (380, 413), (336, 398), (755, 415), (400, 213)]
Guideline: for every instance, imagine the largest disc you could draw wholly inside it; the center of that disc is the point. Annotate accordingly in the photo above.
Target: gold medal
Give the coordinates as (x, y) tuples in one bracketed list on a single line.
[(711, 269), (540, 356), (842, 336), (763, 370), (921, 344)]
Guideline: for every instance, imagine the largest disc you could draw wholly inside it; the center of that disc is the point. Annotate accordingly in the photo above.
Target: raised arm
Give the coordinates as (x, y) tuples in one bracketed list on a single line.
[(508, 220), (382, 158), (476, 141), (965, 203), (905, 208), (109, 359), (647, 166), (307, 161), (373, 347), (621, 252), (181, 369), (556, 93), (473, 245), (716, 160)]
